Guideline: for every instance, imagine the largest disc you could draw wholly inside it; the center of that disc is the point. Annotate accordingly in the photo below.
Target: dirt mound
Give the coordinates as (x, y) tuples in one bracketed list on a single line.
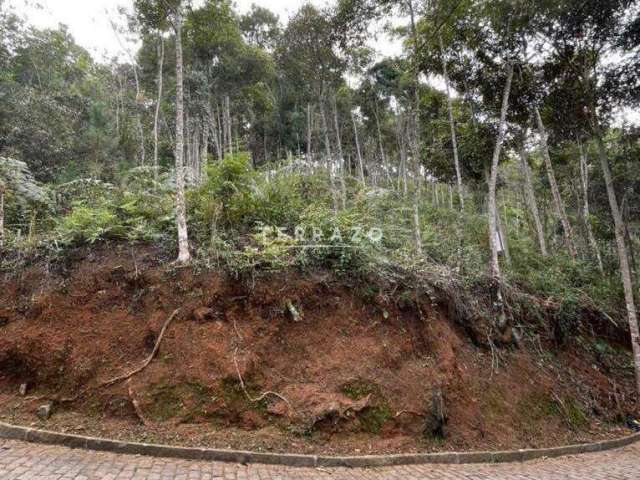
[(287, 361)]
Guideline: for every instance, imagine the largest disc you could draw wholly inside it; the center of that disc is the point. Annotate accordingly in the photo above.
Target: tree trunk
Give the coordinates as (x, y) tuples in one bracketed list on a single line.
[(204, 158), (181, 214), (383, 159), (503, 237), (454, 139), (1, 216), (584, 176), (329, 161), (402, 174), (229, 127), (558, 203), (156, 120), (219, 133), (358, 151), (493, 214), (625, 270), (343, 186), (138, 116), (188, 161), (416, 134), (532, 203), (309, 132), (624, 209), (195, 166)]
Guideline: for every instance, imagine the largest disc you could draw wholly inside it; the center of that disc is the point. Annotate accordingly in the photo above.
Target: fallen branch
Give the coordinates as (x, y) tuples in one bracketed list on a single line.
[(148, 360), (262, 396)]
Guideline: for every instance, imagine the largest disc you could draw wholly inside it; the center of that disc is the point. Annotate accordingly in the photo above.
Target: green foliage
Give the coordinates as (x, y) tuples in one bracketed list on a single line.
[(358, 389), (88, 224), (229, 185), (141, 210), (372, 419)]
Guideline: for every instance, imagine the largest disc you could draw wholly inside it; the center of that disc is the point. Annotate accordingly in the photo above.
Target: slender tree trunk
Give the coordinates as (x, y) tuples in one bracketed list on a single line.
[(138, 116), (309, 158), (454, 138), (1, 216), (532, 203), (416, 212), (227, 103), (188, 161), (383, 159), (584, 176), (329, 161), (625, 270), (504, 237), (558, 203), (402, 174), (156, 119), (181, 211), (213, 131), (358, 151), (624, 209), (195, 174), (343, 186), (493, 213), (220, 133), (118, 93), (416, 134), (204, 159), (143, 158)]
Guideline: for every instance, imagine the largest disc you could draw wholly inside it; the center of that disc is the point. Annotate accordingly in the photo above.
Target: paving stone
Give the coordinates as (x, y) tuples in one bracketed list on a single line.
[(25, 461)]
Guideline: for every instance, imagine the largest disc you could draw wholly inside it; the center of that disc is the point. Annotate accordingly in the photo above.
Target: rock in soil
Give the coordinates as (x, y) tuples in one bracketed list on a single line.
[(44, 411)]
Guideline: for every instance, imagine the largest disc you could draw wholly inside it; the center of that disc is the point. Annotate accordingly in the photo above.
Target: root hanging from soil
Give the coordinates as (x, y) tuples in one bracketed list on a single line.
[(136, 405), (149, 358), (409, 412), (263, 395), (132, 372)]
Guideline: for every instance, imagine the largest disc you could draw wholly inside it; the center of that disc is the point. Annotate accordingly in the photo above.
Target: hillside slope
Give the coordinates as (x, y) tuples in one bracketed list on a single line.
[(351, 367)]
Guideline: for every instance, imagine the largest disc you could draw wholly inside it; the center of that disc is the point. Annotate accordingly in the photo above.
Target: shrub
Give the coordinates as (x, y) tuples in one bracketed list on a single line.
[(88, 224), (226, 194)]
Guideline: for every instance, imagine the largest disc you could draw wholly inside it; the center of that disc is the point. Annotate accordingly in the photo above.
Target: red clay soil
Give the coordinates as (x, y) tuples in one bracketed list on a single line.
[(359, 371)]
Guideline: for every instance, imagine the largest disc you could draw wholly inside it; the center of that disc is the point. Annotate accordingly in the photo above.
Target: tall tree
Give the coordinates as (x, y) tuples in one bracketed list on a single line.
[(158, 14), (558, 202), (156, 119), (588, 87), (530, 198)]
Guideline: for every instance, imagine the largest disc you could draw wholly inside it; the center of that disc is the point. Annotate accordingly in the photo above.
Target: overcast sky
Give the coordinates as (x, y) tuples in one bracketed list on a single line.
[(89, 22)]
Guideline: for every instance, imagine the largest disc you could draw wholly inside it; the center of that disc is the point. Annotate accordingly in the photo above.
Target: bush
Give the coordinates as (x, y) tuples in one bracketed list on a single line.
[(226, 195), (141, 211), (88, 224)]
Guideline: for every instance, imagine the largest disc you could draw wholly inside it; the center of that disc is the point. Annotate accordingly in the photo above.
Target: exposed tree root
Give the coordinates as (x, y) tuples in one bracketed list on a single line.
[(149, 358), (263, 395), (409, 412), (136, 405), (131, 373)]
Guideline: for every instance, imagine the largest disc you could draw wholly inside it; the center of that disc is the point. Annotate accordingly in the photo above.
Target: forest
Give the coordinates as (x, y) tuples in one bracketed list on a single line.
[(489, 171)]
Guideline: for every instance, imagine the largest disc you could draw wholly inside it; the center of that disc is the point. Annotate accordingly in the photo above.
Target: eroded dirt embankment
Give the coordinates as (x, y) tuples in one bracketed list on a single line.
[(355, 370)]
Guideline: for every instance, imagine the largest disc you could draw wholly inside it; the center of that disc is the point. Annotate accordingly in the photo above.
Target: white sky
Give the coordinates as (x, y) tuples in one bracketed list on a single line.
[(89, 22)]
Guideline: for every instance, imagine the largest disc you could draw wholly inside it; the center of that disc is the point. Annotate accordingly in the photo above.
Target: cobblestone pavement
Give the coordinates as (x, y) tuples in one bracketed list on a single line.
[(22, 461)]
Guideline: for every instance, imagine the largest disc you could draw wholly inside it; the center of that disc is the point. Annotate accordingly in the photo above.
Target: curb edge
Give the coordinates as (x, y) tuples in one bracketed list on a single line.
[(32, 435)]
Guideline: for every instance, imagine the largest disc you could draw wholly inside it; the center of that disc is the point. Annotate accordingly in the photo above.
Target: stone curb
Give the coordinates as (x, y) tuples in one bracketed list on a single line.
[(238, 456)]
